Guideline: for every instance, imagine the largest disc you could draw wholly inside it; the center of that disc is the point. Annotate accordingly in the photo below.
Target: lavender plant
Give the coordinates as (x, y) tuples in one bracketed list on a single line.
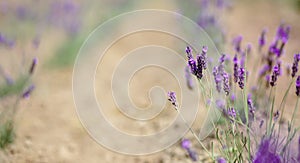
[(11, 92), (253, 128)]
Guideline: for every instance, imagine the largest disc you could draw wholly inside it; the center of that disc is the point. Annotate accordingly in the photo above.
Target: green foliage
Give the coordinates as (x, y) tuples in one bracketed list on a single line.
[(16, 88), (66, 54), (7, 134)]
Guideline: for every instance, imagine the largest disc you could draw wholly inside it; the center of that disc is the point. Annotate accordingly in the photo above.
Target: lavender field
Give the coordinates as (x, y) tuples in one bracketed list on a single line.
[(171, 81)]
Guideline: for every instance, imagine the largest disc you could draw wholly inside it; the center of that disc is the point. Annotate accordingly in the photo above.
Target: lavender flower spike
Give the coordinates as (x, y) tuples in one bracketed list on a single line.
[(235, 69), (295, 64), (236, 42), (186, 144), (217, 78), (298, 86), (172, 98), (226, 85), (250, 104), (242, 73), (188, 51), (33, 65), (200, 63), (28, 91), (193, 66), (204, 57), (262, 39), (275, 74), (231, 112)]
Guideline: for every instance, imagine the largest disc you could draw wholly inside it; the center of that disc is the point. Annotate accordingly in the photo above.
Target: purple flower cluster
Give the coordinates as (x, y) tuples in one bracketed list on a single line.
[(275, 74), (265, 153), (221, 160), (231, 112), (281, 35), (172, 98), (235, 69), (186, 144), (197, 68), (250, 104), (298, 86), (242, 74), (295, 64), (226, 86), (218, 79)]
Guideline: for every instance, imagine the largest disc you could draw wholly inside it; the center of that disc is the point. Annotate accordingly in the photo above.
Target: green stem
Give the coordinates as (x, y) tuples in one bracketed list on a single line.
[(295, 111), (272, 110), (194, 133)]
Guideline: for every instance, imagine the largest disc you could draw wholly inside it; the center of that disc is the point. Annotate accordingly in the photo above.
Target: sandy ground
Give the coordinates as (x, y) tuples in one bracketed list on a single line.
[(48, 129)]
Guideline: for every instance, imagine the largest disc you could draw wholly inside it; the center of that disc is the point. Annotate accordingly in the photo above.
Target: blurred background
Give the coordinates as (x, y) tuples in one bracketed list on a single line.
[(46, 125)]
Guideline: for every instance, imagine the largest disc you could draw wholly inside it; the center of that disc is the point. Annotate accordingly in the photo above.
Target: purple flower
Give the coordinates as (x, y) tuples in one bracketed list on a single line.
[(298, 86), (295, 64), (204, 57), (217, 78), (188, 78), (220, 104), (265, 153), (242, 73), (236, 42), (33, 65), (186, 144), (275, 74), (188, 51), (232, 97), (28, 91), (235, 69), (279, 67), (192, 154), (172, 98), (250, 104), (262, 39), (222, 59), (273, 48), (199, 70), (193, 66), (283, 33), (221, 160), (231, 112), (226, 86)]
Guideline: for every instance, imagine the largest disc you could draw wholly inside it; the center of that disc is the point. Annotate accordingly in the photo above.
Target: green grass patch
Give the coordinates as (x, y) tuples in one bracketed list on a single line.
[(7, 134), (16, 88), (66, 54)]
